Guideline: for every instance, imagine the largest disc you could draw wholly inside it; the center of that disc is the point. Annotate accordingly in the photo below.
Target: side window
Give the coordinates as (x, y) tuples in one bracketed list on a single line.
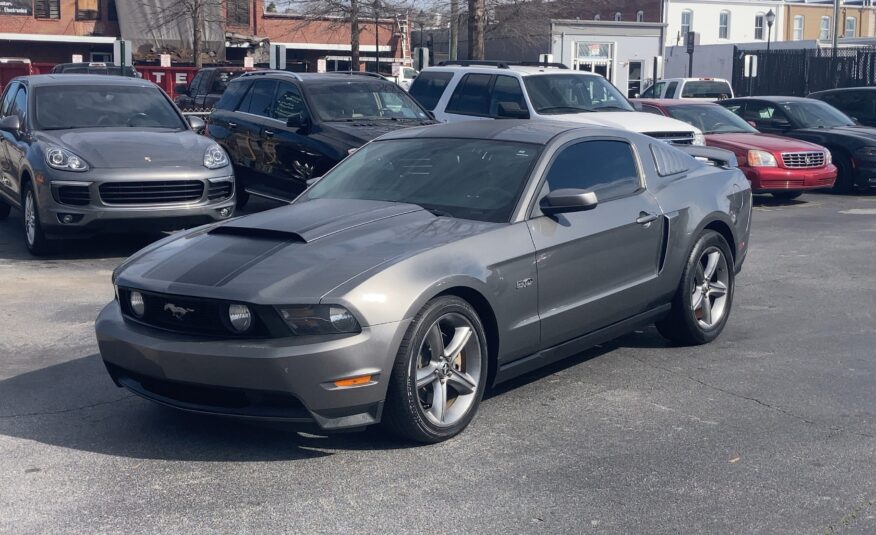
[(231, 97), (506, 90), (259, 99), (428, 88), (195, 86), (670, 91), (649, 93), (8, 97), (472, 95), (288, 103), (19, 105), (605, 167)]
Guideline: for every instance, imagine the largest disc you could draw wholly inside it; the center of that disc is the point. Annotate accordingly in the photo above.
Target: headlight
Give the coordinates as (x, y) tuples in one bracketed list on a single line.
[(215, 157), (761, 158), (65, 160), (828, 158), (138, 306), (240, 318), (319, 319), (699, 138), (866, 153)]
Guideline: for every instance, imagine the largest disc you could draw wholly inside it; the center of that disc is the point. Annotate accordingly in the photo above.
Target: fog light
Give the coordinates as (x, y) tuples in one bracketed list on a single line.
[(68, 219), (224, 212), (240, 318), (138, 306)]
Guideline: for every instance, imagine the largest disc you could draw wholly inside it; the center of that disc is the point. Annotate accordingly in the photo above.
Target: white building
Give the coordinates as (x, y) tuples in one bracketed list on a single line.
[(723, 22)]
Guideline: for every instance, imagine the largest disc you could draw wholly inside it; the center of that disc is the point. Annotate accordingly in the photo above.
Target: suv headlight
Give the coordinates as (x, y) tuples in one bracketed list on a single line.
[(699, 138), (215, 157), (65, 160), (761, 158), (319, 319)]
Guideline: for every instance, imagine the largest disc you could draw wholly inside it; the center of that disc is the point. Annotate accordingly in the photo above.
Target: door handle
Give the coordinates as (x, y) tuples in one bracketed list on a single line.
[(646, 218), (269, 133), (232, 125)]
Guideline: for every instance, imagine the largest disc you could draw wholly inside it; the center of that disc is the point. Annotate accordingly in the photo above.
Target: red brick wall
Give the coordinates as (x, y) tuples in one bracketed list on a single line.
[(66, 25)]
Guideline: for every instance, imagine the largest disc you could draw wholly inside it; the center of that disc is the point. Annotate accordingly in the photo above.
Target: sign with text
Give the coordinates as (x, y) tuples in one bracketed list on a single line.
[(165, 60), (77, 58), (16, 7), (750, 66), (321, 65), (249, 62)]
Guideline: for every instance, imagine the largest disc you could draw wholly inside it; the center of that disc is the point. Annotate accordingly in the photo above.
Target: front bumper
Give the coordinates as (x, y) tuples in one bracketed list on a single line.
[(768, 179), (864, 173), (288, 379)]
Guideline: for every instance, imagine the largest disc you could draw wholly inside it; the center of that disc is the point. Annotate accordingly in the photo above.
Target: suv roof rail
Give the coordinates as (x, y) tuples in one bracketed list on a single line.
[(264, 72), (499, 64), (359, 73)]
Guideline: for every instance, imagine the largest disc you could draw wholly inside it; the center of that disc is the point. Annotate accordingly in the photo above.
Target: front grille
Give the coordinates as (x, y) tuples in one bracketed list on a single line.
[(782, 184), (802, 160), (74, 195), (220, 190), (152, 192), (677, 138)]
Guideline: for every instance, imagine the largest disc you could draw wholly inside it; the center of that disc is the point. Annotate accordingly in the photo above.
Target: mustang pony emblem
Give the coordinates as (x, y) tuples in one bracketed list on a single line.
[(178, 312)]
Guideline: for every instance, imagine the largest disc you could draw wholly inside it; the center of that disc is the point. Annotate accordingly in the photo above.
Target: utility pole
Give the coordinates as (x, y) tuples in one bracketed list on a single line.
[(376, 36), (835, 33), (454, 30)]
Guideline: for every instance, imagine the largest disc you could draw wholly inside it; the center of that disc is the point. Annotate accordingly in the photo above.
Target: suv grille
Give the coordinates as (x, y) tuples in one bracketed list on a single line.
[(678, 138), (798, 160), (74, 195), (152, 192), (218, 191)]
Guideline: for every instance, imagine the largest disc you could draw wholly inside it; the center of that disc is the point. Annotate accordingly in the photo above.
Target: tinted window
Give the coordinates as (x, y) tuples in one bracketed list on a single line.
[(852, 102), (815, 114), (711, 118), (232, 96), (220, 82), (197, 81), (289, 103), (428, 88), (670, 91), (259, 99), (465, 178), (471, 96), (19, 105), (655, 91), (605, 167), (362, 99), (103, 106), (7, 99), (506, 90), (706, 89)]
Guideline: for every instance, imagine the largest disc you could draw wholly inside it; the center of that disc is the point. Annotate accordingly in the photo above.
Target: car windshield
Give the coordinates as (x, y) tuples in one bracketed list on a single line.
[(711, 119), (363, 100), (716, 89), (552, 94), (60, 107), (815, 114), (463, 178)]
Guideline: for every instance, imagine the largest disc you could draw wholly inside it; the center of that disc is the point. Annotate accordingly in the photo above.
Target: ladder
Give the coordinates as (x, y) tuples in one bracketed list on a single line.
[(402, 24)]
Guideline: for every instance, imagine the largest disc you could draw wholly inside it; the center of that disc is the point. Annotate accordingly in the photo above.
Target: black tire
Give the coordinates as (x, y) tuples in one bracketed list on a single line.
[(403, 412), (682, 325), (242, 197), (4, 209), (786, 195), (845, 182), (38, 245)]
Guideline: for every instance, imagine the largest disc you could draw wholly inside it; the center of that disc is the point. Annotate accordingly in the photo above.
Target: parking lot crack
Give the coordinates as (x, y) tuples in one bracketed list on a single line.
[(64, 411), (748, 398)]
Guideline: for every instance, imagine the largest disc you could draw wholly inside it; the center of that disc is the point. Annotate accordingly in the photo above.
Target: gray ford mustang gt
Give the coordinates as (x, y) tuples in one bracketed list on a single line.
[(432, 263)]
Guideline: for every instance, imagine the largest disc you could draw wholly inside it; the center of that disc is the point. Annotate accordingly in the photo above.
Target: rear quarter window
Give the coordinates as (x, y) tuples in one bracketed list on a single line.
[(428, 88), (232, 95)]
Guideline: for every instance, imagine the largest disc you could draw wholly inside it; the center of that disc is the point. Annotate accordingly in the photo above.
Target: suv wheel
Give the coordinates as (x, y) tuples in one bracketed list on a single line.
[(34, 237)]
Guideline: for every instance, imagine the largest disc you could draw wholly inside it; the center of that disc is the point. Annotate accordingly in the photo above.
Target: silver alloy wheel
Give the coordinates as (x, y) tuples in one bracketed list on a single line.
[(448, 369), (30, 217), (710, 287)]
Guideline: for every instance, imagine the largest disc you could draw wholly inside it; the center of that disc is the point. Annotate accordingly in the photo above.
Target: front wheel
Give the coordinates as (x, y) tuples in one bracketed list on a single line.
[(440, 373), (702, 303), (34, 238), (845, 182)]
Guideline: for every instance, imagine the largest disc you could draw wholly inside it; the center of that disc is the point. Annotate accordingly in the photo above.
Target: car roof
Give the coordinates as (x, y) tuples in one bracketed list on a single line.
[(842, 90), (519, 130), (36, 80)]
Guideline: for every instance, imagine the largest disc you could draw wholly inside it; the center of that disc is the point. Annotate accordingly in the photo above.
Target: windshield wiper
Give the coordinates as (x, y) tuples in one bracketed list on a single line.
[(558, 108), (435, 211)]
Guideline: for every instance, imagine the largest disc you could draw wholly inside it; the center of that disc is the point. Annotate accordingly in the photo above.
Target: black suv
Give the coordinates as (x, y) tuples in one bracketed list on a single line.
[(282, 128), (206, 88), (856, 102)]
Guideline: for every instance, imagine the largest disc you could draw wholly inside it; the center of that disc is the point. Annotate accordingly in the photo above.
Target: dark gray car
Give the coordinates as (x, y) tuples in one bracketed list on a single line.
[(86, 153), (428, 265)]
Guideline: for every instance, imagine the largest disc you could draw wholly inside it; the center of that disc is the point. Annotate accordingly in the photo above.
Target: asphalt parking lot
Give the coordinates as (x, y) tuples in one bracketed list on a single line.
[(771, 429)]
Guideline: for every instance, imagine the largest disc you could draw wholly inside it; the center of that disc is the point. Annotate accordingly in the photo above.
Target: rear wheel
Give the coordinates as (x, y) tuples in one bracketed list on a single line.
[(34, 237), (702, 303), (4, 209), (440, 373), (786, 195)]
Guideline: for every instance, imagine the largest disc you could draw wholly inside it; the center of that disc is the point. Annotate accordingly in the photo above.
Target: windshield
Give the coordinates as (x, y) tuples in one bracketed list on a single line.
[(711, 119), (361, 100), (706, 89), (464, 178), (573, 93), (103, 106), (815, 114)]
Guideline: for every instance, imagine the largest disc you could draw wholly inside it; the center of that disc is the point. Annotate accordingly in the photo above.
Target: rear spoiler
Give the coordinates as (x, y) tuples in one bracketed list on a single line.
[(716, 157)]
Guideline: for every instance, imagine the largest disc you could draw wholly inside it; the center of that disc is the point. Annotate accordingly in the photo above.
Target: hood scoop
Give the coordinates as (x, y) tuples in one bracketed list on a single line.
[(257, 233)]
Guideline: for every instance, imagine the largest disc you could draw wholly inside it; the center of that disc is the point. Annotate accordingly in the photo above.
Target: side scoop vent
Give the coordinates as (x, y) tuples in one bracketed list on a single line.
[(257, 233)]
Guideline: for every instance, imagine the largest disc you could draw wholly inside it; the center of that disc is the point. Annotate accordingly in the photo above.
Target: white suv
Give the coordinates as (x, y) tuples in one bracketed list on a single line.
[(705, 89), (467, 90)]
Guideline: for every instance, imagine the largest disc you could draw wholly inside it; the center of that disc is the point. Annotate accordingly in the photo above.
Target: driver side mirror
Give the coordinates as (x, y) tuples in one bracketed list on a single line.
[(511, 110), (11, 124), (562, 201), (197, 123), (299, 121)]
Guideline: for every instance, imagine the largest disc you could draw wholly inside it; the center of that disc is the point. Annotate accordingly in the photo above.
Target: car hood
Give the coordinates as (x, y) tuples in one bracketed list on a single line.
[(357, 133), (292, 254), (746, 141), (109, 148), (636, 121)]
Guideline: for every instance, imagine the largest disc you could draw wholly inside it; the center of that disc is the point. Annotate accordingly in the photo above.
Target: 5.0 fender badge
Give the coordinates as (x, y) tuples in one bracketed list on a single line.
[(525, 283)]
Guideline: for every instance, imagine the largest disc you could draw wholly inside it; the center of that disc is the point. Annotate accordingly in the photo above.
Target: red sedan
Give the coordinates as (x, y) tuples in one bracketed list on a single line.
[(782, 166)]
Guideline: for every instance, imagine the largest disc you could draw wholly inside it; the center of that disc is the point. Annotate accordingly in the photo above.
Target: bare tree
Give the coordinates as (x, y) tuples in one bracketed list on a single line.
[(183, 20), (477, 18)]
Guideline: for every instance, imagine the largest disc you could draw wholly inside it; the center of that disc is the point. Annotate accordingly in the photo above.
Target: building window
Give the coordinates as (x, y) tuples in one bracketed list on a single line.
[(798, 28), (111, 13), (87, 9), (851, 26), (724, 25), (238, 12), (47, 9), (758, 26), (686, 22), (617, 16), (640, 16), (825, 28)]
